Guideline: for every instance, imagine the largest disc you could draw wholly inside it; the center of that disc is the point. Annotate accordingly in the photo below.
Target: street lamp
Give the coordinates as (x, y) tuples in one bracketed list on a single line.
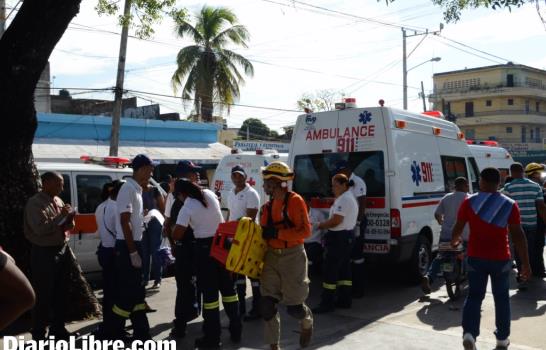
[(405, 89), (405, 78)]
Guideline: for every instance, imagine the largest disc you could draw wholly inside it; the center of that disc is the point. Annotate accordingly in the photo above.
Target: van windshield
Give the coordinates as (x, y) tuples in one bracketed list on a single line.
[(314, 172)]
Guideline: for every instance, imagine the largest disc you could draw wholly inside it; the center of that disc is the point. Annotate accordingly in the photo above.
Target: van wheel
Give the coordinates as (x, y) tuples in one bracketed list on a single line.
[(420, 260)]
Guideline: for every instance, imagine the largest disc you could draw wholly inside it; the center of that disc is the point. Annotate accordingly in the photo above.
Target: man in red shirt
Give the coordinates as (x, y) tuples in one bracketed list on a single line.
[(490, 215)]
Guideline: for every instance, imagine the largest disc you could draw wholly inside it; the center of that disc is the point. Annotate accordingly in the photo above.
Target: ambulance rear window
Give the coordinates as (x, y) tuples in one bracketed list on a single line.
[(314, 172)]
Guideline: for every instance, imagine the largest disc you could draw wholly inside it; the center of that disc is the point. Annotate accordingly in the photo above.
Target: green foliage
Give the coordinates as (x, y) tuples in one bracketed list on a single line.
[(207, 72), (320, 100), (453, 8), (256, 128), (148, 13)]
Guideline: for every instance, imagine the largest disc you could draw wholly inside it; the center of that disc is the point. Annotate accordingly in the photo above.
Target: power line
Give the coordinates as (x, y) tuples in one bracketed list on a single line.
[(372, 20), (473, 48)]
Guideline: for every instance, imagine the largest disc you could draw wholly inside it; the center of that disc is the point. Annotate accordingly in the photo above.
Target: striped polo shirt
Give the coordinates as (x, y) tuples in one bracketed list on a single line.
[(525, 192)]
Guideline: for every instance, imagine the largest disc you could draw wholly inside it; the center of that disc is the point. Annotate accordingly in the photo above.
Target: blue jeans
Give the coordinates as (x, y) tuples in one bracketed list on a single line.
[(151, 242), (478, 272)]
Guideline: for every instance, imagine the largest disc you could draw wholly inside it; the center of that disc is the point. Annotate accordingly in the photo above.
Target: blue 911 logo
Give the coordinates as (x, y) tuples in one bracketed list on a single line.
[(310, 119)]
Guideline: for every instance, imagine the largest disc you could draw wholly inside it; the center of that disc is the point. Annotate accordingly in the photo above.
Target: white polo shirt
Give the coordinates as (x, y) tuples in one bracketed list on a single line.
[(346, 206), (238, 203), (129, 200), (203, 221), (106, 216), (169, 204), (359, 188)]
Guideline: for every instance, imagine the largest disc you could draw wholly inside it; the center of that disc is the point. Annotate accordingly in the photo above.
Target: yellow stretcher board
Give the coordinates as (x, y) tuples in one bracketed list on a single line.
[(247, 251)]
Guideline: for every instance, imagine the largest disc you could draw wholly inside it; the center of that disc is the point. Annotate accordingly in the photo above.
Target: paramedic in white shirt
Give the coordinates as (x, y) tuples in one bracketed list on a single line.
[(106, 216), (313, 244), (130, 296), (187, 304), (202, 212), (244, 201), (359, 191), (336, 285)]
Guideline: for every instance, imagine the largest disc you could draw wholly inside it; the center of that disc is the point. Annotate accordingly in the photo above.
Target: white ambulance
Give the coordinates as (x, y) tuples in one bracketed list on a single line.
[(83, 184), (252, 162), (488, 154), (409, 162)]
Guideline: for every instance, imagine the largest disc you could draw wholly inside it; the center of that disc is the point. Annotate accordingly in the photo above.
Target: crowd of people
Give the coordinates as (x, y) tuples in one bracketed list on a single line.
[(135, 218)]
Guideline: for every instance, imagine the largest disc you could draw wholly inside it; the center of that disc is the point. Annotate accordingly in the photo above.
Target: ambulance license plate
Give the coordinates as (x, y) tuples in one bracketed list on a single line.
[(376, 248)]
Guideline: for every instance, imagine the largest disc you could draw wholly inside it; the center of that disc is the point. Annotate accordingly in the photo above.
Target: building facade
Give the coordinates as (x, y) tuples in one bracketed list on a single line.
[(506, 103)]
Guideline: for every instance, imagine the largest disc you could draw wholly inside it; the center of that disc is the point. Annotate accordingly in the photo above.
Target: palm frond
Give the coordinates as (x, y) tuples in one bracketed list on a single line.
[(237, 34)]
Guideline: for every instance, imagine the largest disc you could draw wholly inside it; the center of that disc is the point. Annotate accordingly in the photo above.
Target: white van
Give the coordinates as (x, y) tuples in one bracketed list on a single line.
[(492, 156), (252, 162), (409, 162), (82, 190)]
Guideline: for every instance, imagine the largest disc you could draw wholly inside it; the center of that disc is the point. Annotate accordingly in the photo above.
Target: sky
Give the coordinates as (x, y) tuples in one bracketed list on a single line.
[(297, 49)]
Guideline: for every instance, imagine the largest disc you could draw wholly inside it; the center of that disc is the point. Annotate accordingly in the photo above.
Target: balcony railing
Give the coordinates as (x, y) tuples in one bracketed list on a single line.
[(500, 112), (484, 88)]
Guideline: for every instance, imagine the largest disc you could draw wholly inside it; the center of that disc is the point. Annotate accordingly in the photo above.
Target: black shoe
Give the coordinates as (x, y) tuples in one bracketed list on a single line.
[(254, 314), (357, 294), (323, 309), (178, 333), (236, 332), (206, 343), (343, 304), (62, 334)]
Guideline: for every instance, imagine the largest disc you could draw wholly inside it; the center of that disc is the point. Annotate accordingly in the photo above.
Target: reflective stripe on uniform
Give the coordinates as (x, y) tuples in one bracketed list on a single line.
[(328, 286), (211, 306), (255, 284), (139, 307), (358, 261), (120, 312), (241, 282), (345, 283), (230, 299)]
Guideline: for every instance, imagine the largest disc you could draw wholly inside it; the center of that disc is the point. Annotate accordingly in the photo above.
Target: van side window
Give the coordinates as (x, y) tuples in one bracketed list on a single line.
[(314, 172), (66, 195), (474, 174), (89, 191), (453, 168)]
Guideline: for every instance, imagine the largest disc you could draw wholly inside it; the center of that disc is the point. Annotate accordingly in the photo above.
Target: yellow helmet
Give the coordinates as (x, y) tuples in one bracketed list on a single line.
[(277, 170), (533, 167)]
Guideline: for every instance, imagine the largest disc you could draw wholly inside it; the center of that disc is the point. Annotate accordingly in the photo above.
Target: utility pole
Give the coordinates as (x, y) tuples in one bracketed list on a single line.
[(405, 58), (423, 97), (247, 133), (116, 115), (2, 17), (404, 70)]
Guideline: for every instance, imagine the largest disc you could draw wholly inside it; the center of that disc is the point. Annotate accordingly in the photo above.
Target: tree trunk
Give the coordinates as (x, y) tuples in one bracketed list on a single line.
[(25, 48)]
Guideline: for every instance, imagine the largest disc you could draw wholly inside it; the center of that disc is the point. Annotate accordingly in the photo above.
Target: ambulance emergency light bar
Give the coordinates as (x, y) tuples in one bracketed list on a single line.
[(116, 161), (348, 102)]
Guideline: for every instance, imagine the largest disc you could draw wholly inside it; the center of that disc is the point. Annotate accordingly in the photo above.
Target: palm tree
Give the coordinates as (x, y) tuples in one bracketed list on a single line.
[(207, 71)]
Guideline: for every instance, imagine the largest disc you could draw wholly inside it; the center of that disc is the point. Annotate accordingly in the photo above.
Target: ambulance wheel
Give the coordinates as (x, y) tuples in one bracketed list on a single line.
[(420, 260)]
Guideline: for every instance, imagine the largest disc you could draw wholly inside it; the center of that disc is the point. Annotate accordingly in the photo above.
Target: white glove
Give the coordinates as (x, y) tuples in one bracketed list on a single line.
[(136, 261)]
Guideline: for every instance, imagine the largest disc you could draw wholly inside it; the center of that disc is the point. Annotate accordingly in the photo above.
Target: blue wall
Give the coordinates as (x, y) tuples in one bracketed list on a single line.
[(85, 127)]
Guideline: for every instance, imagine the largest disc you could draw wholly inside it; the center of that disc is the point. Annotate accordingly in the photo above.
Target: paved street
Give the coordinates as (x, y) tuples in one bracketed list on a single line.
[(391, 316)]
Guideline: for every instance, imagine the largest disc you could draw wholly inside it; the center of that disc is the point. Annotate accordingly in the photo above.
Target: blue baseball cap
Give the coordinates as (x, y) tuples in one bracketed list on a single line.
[(186, 166), (238, 169), (141, 160)]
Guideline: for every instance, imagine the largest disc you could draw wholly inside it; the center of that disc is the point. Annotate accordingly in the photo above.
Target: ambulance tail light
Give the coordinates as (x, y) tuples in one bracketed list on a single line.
[(400, 124), (436, 131), (260, 152), (507, 156), (396, 223), (460, 136)]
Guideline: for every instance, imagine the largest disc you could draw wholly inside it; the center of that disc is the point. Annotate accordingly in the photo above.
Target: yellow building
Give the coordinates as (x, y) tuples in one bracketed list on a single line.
[(504, 102)]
